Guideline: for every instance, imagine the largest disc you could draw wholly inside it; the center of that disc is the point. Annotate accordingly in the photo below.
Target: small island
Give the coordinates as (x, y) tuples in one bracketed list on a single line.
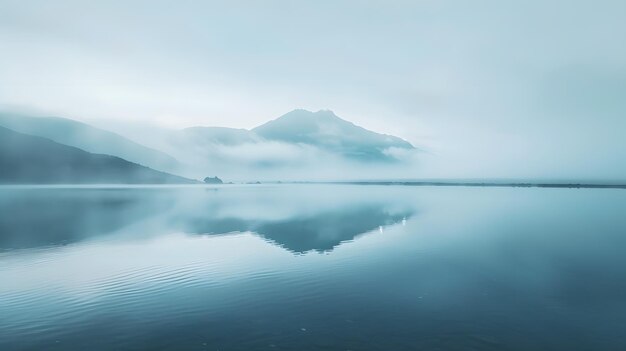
[(213, 180)]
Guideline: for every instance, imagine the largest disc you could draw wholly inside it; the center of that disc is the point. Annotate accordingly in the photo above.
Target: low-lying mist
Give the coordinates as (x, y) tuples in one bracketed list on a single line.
[(277, 161)]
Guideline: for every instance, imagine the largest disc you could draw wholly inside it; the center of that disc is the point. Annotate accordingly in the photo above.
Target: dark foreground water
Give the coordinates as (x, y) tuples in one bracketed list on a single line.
[(313, 267)]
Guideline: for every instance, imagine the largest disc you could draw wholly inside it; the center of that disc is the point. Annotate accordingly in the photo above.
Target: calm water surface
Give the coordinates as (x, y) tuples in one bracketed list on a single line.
[(312, 267)]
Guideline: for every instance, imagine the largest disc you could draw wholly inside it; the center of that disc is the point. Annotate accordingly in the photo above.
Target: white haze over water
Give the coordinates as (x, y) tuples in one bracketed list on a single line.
[(487, 89)]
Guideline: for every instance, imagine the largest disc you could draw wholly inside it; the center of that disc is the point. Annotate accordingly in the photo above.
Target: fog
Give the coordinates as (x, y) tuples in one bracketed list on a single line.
[(491, 89), (264, 160)]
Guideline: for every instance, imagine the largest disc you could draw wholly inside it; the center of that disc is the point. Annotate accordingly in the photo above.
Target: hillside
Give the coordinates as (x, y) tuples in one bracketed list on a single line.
[(26, 159), (322, 129), (88, 138), (327, 131)]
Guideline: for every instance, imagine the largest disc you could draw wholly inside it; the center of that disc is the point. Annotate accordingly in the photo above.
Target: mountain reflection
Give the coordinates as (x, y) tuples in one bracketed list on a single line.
[(34, 218), (320, 232), (296, 221)]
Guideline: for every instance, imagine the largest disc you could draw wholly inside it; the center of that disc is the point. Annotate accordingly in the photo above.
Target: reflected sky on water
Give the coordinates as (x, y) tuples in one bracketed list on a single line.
[(312, 267)]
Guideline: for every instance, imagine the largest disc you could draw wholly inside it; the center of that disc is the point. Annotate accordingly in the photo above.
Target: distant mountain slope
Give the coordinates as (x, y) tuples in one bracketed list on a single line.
[(88, 138), (325, 130), (27, 159), (322, 129)]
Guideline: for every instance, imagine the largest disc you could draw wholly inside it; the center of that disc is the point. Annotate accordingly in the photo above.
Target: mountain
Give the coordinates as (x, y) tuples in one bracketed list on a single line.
[(88, 138), (322, 129), (327, 131), (27, 159)]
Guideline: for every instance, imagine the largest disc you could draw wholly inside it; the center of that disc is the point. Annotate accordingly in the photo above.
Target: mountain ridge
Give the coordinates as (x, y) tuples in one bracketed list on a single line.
[(88, 138), (296, 140), (322, 129), (326, 116), (28, 159)]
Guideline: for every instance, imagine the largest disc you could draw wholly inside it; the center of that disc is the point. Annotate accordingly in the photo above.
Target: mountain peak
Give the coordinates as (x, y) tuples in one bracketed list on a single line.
[(303, 113), (328, 131)]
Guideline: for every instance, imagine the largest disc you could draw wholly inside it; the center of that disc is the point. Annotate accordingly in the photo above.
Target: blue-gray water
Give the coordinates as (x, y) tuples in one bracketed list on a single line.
[(312, 267)]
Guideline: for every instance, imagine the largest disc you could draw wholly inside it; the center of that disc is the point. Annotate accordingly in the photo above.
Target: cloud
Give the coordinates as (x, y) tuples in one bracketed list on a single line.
[(485, 81)]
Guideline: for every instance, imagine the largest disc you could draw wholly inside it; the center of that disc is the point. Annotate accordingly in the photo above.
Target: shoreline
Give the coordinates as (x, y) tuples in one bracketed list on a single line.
[(365, 183), (481, 184)]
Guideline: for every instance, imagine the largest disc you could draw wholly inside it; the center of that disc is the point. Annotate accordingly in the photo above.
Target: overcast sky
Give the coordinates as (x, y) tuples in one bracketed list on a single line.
[(489, 88)]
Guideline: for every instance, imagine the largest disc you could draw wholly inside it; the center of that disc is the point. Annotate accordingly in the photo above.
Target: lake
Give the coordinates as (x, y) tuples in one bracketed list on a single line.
[(312, 267)]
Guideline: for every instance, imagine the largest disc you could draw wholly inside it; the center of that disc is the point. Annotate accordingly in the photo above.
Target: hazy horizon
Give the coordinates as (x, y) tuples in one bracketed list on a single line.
[(510, 90)]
